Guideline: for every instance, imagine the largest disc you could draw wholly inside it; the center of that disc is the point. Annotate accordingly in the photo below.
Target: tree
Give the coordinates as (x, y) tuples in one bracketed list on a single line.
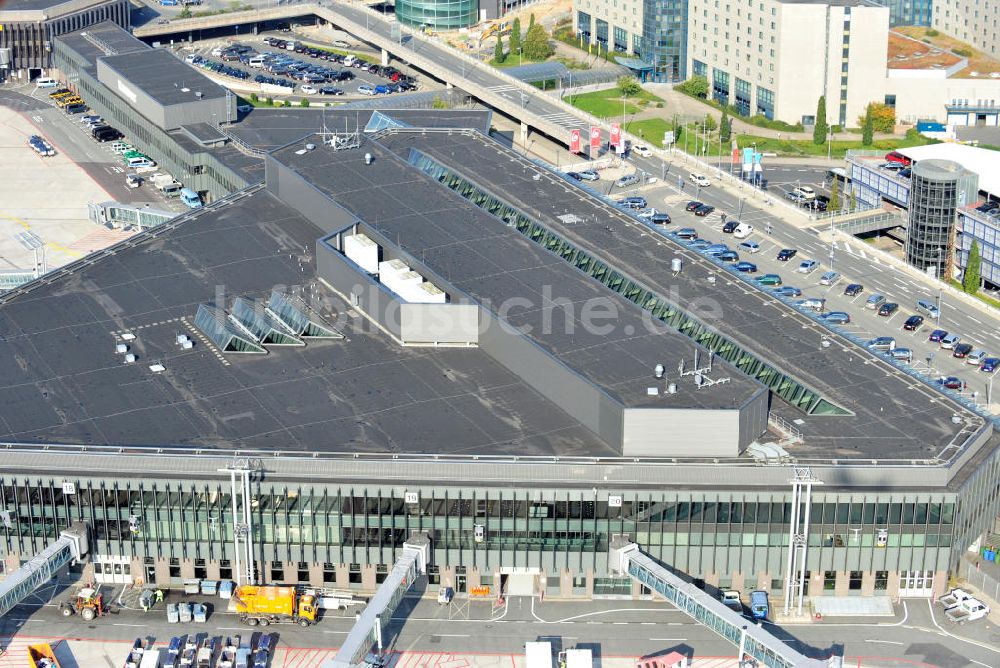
[(819, 130), (629, 86), (536, 43), (883, 117), (970, 279), (854, 201), (867, 129), (253, 97), (498, 55), (709, 123), (515, 36), (725, 127), (696, 86), (185, 13), (304, 102), (834, 204), (531, 20), (438, 103)]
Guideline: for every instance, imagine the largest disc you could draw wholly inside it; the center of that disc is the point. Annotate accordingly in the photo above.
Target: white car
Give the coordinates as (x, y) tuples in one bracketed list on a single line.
[(644, 151), (699, 180), (308, 90), (806, 192)]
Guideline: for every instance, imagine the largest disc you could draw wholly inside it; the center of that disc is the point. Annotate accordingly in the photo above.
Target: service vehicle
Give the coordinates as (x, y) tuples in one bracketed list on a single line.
[(42, 656), (968, 610), (731, 599), (272, 604), (758, 604), (954, 597), (88, 602)]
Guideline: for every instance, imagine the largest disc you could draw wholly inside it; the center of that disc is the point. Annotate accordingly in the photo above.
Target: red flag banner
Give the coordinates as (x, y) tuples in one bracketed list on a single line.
[(616, 134), (574, 141), (595, 139)]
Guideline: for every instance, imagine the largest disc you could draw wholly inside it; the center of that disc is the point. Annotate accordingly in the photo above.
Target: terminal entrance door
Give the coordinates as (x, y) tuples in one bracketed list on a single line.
[(520, 581), (916, 584), (109, 569)]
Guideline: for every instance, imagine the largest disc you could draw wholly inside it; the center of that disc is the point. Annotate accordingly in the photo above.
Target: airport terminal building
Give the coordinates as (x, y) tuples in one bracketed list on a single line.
[(403, 327)]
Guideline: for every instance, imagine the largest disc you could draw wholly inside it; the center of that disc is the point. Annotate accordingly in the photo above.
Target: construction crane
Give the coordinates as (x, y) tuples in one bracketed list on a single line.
[(71, 546)]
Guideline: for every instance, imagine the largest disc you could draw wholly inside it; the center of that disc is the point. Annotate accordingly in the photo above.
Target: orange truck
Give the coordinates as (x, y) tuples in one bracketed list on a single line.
[(274, 605)]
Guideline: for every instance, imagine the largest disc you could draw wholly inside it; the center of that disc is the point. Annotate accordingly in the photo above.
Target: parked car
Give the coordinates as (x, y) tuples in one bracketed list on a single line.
[(745, 267), (887, 309), (951, 383), (589, 175), (961, 350), (853, 290), (308, 90), (812, 303), (699, 180), (750, 247), (795, 197), (787, 291), (913, 323), (704, 210), (687, 233), (627, 180), (660, 218), (807, 266), (902, 354), (699, 244), (365, 89), (768, 279), (829, 278), (715, 250), (728, 256), (949, 341), (928, 308), (730, 226), (574, 175), (976, 357), (990, 364), (882, 343), (806, 192), (633, 202), (786, 254), (644, 151), (875, 302), (693, 204), (937, 335), (837, 318)]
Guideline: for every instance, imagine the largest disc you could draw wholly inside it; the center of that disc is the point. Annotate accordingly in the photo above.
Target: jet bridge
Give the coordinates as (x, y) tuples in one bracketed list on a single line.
[(752, 640), (71, 545), (368, 632)]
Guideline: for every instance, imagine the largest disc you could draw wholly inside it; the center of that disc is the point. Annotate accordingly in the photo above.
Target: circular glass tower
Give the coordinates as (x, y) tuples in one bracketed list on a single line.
[(437, 14), (934, 186)]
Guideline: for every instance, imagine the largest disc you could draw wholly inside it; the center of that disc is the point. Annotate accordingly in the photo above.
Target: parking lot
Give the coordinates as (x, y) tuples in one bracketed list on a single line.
[(318, 73), (672, 195)]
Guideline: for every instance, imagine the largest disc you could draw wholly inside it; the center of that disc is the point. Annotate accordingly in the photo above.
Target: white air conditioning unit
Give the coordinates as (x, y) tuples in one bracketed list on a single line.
[(480, 533)]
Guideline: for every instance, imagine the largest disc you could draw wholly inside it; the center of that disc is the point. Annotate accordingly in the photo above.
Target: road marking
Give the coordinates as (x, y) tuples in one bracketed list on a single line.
[(888, 642), (451, 635), (134, 625), (974, 320)]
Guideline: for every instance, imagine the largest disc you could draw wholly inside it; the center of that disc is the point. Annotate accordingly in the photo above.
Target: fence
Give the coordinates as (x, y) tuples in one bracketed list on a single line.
[(982, 582)]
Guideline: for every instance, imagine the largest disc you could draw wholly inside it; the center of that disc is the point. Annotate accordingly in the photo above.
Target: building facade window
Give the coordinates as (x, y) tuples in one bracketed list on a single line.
[(664, 29), (621, 40), (765, 103), (601, 32), (699, 68), (742, 97), (720, 86), (583, 26)]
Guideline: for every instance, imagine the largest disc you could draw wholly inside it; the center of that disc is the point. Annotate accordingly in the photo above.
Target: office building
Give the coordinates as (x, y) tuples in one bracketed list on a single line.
[(438, 14), (30, 26), (401, 330), (971, 21)]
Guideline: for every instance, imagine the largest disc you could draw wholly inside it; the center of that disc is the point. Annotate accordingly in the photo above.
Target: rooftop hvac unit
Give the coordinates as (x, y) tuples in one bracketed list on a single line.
[(181, 338), (658, 371), (368, 158), (187, 345), (672, 388), (130, 359), (128, 336), (121, 348), (157, 368)]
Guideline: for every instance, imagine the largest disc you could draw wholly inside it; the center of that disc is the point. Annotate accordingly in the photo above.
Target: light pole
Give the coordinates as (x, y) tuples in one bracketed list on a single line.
[(829, 142)]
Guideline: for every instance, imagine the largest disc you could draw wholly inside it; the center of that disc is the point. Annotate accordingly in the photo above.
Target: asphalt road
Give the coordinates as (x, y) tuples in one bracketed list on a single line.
[(855, 266), (612, 628)]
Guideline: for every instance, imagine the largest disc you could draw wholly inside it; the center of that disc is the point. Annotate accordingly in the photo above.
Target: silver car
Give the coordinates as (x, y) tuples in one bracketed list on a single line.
[(902, 354), (949, 341), (829, 278)]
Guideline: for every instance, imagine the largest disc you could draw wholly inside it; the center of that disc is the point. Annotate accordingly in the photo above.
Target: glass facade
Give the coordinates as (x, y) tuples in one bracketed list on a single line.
[(601, 33), (437, 14), (908, 12), (700, 69), (583, 26), (932, 206), (720, 86), (984, 229), (742, 96), (664, 30), (765, 103), (621, 40)]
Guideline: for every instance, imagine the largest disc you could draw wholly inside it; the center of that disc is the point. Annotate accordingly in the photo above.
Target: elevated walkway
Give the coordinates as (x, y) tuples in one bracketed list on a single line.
[(71, 544), (753, 640), (368, 632)]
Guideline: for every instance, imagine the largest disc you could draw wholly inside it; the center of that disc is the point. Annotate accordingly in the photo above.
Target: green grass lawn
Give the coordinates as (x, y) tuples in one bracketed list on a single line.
[(608, 103), (650, 129)]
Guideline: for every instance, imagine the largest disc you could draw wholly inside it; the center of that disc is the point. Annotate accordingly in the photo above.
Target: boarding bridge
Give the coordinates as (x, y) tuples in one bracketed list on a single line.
[(752, 640), (71, 545), (368, 632)]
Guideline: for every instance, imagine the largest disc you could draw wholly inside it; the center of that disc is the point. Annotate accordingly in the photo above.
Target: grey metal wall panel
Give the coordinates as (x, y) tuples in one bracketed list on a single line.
[(297, 193), (677, 432), (578, 397), (439, 323), (753, 418), (347, 278)]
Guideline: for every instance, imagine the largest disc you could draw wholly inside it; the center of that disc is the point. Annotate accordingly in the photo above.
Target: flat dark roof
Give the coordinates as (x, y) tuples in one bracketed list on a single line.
[(38, 5), (268, 129), (61, 380), (106, 33), (480, 256), (895, 416), (164, 77)]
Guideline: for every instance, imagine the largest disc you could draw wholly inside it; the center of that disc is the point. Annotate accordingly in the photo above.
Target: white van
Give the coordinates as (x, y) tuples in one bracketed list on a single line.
[(257, 62), (134, 163), (350, 59), (46, 83), (743, 230)]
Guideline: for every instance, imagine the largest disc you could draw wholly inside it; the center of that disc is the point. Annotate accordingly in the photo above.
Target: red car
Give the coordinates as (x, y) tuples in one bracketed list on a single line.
[(896, 156)]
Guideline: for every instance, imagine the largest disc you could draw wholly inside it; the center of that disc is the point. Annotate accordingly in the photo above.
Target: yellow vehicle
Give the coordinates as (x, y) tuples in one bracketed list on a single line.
[(66, 101), (61, 95), (42, 656), (274, 605), (503, 28)]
